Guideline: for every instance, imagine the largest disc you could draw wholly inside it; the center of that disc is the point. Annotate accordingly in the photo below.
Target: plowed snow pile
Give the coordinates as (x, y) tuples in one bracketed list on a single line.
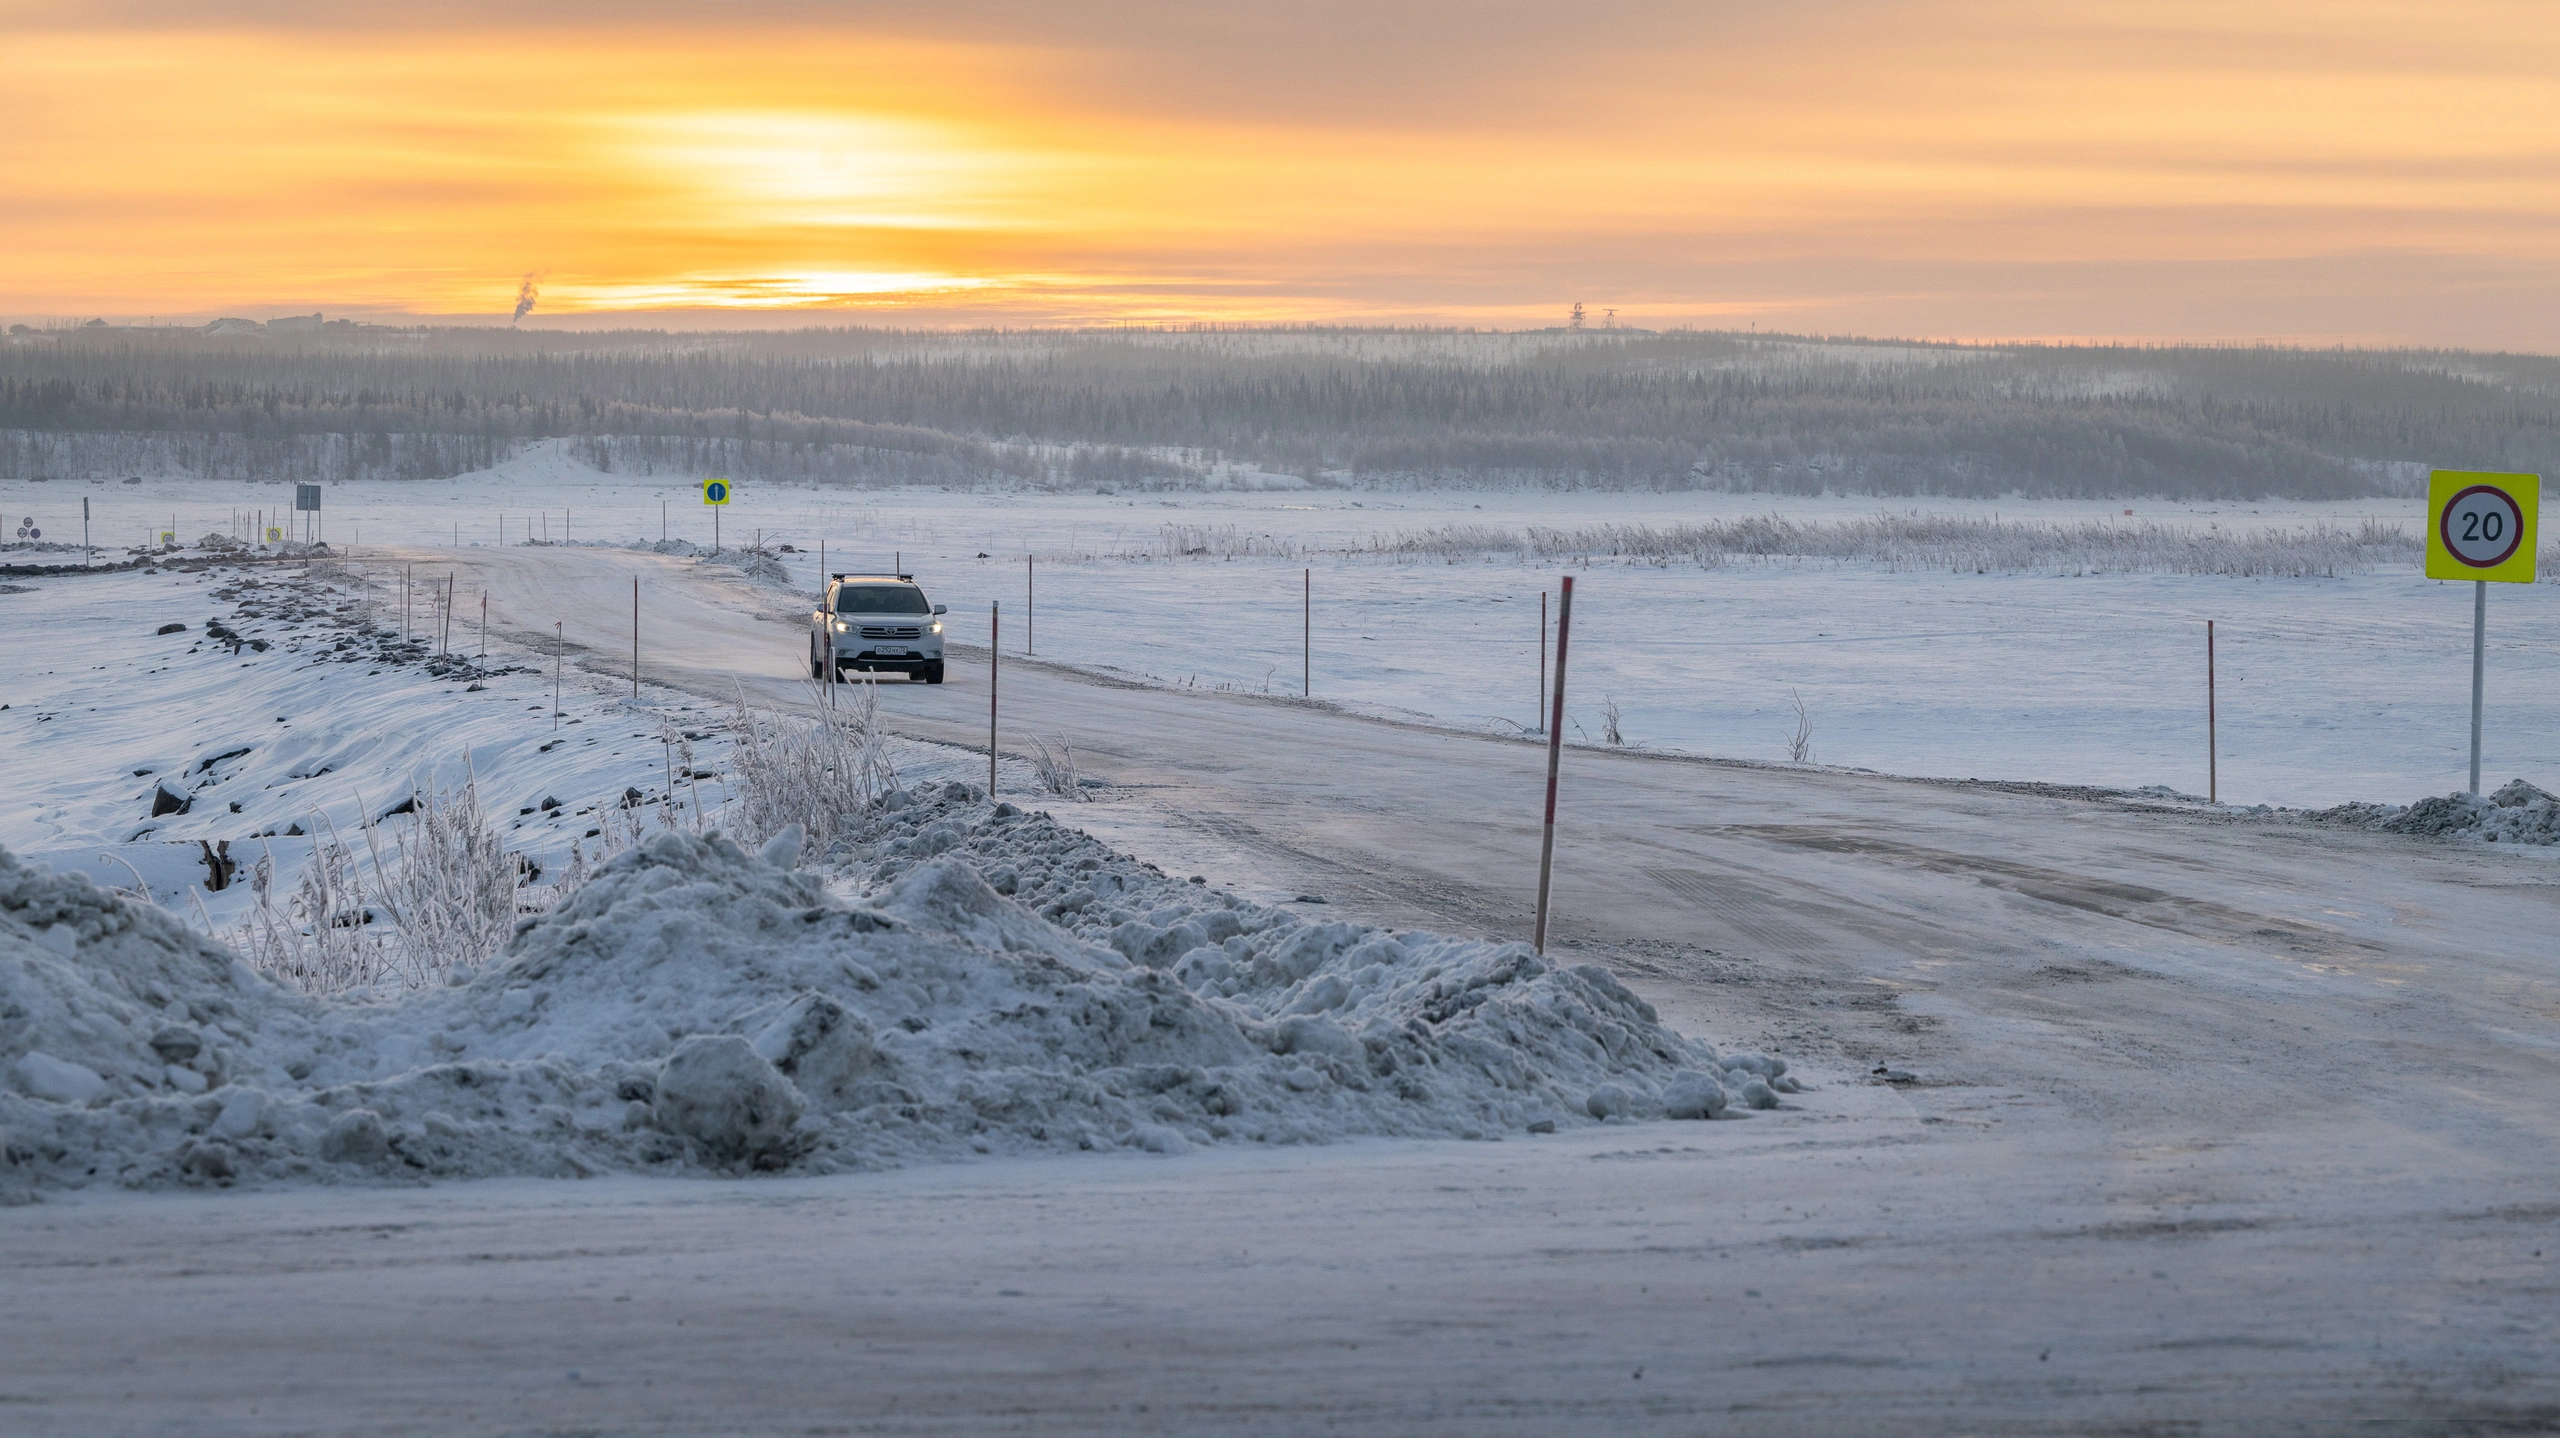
[(2518, 813), (1011, 985)]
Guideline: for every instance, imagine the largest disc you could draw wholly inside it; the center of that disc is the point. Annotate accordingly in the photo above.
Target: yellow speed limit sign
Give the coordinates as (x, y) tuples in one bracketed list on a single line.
[(2482, 526), (715, 491)]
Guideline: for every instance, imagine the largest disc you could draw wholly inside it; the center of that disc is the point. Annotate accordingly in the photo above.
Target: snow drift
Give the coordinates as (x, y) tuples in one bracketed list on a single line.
[(1009, 985)]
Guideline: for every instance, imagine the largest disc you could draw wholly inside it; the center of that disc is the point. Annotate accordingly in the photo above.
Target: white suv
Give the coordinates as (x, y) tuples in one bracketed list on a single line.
[(877, 622)]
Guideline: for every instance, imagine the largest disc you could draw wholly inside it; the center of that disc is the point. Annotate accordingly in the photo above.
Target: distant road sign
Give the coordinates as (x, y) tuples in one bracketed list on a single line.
[(306, 496), (715, 491), (2482, 526), (274, 533)]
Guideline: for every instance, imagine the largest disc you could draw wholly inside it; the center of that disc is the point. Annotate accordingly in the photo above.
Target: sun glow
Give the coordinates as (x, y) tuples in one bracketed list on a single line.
[(1990, 167)]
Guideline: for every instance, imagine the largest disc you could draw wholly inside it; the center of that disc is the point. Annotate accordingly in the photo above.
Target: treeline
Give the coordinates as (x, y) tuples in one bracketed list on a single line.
[(1155, 409)]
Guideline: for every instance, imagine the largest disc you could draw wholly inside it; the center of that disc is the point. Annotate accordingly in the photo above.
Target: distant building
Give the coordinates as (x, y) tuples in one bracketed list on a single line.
[(309, 324), (234, 327)]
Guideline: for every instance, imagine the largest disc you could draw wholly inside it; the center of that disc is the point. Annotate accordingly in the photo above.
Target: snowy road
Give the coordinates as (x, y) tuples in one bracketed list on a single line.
[(2217, 1126)]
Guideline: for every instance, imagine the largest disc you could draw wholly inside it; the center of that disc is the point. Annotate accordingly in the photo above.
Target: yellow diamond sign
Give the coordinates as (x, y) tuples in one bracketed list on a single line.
[(2482, 526)]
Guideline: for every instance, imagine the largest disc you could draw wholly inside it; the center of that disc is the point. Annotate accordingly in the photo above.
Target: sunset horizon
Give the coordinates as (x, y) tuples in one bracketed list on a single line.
[(2373, 176)]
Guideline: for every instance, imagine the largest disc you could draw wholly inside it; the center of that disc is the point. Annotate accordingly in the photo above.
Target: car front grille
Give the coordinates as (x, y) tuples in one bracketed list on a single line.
[(891, 631)]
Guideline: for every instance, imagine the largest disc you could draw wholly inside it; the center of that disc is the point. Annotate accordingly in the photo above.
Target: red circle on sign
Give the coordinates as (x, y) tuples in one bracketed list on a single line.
[(2515, 513)]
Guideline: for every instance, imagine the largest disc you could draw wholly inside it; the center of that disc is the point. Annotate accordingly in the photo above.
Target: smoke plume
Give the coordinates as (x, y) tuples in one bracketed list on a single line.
[(526, 294)]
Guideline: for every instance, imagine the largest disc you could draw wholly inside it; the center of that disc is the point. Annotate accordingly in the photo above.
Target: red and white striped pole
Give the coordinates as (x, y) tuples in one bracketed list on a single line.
[(1555, 756), (995, 662)]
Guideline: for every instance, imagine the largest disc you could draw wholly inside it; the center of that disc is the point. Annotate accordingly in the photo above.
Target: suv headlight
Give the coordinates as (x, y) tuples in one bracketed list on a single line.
[(841, 626), (937, 626)]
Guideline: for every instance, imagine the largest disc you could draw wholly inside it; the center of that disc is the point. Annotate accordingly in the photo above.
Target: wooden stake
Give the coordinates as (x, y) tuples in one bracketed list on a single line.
[(484, 624), (1307, 636), (635, 636), (1029, 611), (560, 639), (2212, 740), (1542, 656), (1555, 756)]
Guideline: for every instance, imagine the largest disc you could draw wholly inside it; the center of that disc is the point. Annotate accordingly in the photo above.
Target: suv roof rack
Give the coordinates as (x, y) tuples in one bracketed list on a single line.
[(909, 578)]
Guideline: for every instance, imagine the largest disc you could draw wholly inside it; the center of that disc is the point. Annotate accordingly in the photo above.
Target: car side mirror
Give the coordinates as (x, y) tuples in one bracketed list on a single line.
[(942, 609)]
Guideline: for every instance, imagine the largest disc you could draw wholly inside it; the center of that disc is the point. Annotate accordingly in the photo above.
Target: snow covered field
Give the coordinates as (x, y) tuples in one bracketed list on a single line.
[(2331, 689)]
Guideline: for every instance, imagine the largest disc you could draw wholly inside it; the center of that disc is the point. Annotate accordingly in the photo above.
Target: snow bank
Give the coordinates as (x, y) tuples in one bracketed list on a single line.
[(752, 563), (2519, 813), (1005, 984)]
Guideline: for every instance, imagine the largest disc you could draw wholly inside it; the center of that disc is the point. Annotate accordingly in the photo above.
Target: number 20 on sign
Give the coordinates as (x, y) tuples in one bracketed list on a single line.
[(2482, 526)]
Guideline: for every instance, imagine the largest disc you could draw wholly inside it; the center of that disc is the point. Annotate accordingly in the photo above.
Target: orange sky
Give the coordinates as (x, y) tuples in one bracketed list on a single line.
[(2349, 171)]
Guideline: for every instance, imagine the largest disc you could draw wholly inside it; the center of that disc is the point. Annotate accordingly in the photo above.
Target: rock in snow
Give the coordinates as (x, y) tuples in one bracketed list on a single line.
[(697, 1006)]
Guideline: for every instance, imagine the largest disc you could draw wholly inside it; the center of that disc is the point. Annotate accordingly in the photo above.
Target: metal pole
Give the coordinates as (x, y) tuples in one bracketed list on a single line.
[(560, 642), (484, 624), (1307, 636), (995, 655), (1542, 656), (2479, 669), (2212, 739), (1555, 756), (445, 645), (635, 636), (1029, 610)]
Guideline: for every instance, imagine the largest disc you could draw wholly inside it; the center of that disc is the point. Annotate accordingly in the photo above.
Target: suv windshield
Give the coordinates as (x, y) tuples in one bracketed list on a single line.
[(881, 599)]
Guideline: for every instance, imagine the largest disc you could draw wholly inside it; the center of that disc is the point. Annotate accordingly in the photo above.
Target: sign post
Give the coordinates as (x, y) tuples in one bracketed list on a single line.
[(306, 497), (2481, 527), (715, 493)]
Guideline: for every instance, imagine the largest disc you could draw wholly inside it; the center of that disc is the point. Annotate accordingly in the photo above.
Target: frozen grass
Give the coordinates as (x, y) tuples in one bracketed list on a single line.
[(443, 900), (1891, 542), (815, 772), (1057, 771), (1800, 742)]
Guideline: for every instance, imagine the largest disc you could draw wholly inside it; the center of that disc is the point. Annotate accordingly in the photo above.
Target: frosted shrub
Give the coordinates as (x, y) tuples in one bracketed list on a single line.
[(443, 899), (451, 887), (318, 940), (1056, 772), (815, 772)]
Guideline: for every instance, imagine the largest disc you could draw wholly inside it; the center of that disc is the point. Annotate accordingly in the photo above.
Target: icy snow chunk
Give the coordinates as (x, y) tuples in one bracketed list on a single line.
[(716, 1090), (356, 1137), (1610, 1101), (1692, 1095), (176, 1044), (62, 939), (240, 1114), (819, 1044), (48, 1077), (782, 851)]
